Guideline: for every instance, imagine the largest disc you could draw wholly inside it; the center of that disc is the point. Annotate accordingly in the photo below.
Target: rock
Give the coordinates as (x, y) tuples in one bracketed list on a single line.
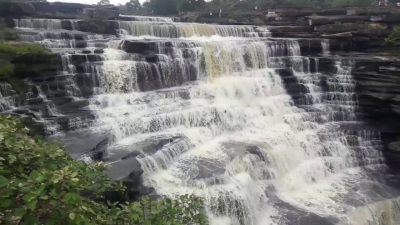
[(98, 152), (332, 12), (141, 47), (283, 29), (337, 28), (322, 20), (22, 8), (344, 35), (99, 51)]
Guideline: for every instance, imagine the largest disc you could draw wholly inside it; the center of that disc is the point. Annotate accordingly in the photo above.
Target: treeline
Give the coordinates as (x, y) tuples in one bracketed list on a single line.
[(169, 7)]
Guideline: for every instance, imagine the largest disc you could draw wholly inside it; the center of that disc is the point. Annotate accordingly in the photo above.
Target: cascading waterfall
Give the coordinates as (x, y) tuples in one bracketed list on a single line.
[(38, 23), (232, 132), (176, 30), (243, 143)]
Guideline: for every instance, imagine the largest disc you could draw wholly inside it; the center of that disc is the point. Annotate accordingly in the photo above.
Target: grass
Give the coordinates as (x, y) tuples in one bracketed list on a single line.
[(20, 48)]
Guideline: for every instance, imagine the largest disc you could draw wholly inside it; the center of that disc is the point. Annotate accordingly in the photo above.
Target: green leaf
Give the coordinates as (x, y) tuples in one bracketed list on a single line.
[(32, 204), (12, 159), (74, 174), (34, 174), (20, 212), (6, 203), (3, 181), (28, 197), (72, 216)]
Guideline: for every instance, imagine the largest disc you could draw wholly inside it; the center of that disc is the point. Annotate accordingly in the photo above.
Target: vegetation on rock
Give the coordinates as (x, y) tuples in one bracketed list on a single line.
[(394, 38), (19, 60), (95, 25), (20, 48), (41, 184)]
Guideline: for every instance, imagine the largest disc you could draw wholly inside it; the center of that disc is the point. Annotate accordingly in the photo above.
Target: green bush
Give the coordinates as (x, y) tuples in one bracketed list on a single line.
[(41, 184), (394, 38), (6, 33), (6, 70), (258, 22), (232, 21), (94, 25)]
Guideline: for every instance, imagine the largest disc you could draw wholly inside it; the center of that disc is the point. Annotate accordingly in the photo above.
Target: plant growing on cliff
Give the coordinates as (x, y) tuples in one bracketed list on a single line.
[(41, 184), (394, 38)]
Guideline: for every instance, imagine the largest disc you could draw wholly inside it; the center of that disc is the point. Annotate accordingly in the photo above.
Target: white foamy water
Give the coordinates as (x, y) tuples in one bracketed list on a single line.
[(243, 141)]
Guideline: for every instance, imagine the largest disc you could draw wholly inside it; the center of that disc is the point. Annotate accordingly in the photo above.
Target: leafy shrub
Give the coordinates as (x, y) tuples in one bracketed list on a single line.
[(394, 38), (6, 70), (41, 184), (94, 25), (258, 22), (232, 21), (18, 48), (6, 33)]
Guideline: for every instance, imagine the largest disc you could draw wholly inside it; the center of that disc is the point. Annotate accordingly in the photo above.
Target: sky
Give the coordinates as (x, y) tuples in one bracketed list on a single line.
[(114, 2)]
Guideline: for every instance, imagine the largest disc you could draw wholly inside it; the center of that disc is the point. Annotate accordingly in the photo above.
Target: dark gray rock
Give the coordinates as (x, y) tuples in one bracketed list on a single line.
[(99, 51), (322, 20), (23, 8), (106, 13)]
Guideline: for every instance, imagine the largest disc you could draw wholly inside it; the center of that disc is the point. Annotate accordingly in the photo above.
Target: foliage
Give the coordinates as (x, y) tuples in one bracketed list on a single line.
[(104, 2), (6, 33), (133, 5), (18, 48), (94, 25), (394, 38), (6, 69), (41, 184), (162, 7), (232, 21), (258, 22)]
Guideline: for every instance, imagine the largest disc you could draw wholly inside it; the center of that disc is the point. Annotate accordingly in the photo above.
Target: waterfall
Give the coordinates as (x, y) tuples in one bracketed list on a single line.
[(264, 134), (244, 143), (325, 46), (38, 23), (149, 18), (177, 30)]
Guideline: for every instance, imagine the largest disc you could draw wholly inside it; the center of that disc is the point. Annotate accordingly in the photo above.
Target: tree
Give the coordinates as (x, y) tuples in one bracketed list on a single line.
[(133, 5), (104, 2), (163, 7)]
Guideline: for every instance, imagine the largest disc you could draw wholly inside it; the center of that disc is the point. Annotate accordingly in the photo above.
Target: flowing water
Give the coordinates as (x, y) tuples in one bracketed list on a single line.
[(258, 146)]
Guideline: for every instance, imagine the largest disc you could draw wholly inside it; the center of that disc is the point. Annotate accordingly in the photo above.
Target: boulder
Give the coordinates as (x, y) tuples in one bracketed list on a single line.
[(337, 28), (291, 29), (332, 12), (344, 35), (322, 20), (99, 51)]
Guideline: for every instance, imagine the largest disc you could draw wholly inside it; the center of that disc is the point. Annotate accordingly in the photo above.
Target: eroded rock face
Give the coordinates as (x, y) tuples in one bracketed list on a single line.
[(378, 92)]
